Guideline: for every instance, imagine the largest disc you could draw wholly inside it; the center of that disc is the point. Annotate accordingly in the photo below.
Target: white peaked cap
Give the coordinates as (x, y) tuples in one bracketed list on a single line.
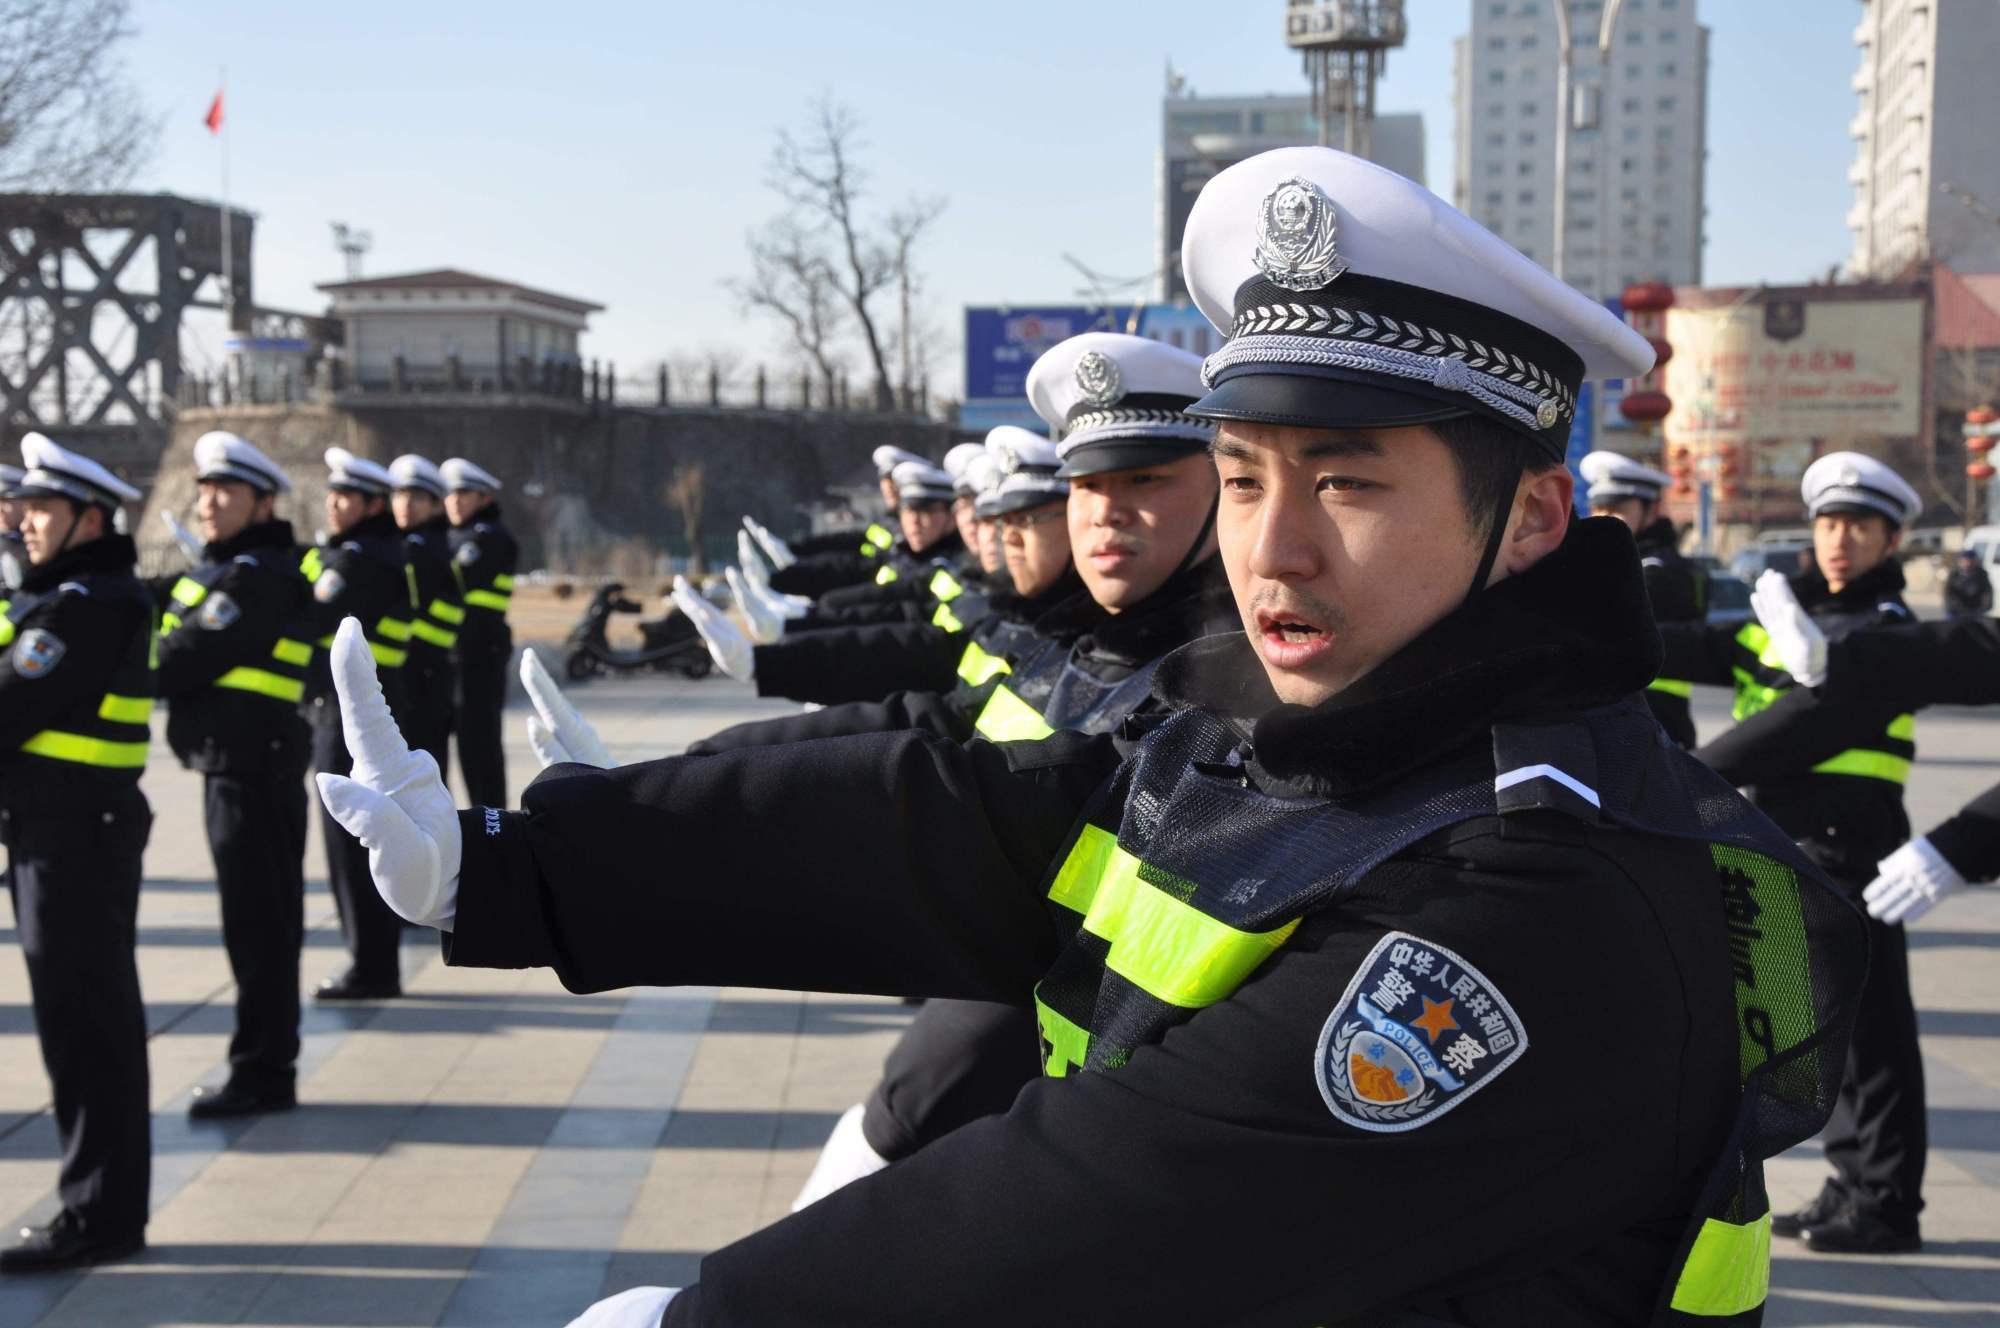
[(410, 471), (221, 455), (458, 473), (1849, 481), (53, 471), (348, 471)]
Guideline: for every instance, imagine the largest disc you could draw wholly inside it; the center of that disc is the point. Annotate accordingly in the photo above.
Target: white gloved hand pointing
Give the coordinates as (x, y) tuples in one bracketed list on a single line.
[(1913, 879), (727, 646), (188, 542), (779, 552), (765, 625), (394, 802), (751, 561), (556, 731), (1797, 638), (641, 1307)]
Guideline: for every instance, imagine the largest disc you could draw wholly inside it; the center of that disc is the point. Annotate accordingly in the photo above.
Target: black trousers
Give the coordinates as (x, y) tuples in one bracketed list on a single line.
[(75, 885), (1877, 1137), (956, 1062), (482, 691), (257, 835), (370, 928), (432, 703)]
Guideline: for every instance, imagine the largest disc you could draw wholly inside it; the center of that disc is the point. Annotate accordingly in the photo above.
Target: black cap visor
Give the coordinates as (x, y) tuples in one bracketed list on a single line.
[(1101, 458), (1328, 399)]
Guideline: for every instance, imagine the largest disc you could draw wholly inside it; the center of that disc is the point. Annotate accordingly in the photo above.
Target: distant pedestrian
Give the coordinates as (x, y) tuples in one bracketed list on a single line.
[(1968, 592)]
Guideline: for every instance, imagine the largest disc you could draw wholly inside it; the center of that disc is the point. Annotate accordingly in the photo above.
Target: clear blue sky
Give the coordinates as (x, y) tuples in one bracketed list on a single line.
[(616, 151)]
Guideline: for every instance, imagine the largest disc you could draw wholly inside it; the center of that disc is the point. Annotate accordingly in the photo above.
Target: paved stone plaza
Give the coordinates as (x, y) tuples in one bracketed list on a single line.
[(491, 1151)]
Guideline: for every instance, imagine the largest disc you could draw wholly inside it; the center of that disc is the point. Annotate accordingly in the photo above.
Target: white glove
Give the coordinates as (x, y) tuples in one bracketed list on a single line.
[(395, 802), (778, 607), (844, 1159), (751, 561), (795, 606), (556, 731), (779, 552), (728, 647), (766, 624), (1913, 879), (641, 1307), (189, 542), (1798, 639)]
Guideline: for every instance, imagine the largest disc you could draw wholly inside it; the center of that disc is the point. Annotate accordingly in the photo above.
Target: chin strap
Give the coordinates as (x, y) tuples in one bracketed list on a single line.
[(1502, 510), (1200, 537)]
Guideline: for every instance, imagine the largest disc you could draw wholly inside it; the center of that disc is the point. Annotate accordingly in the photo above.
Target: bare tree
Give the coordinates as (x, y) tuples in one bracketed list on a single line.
[(906, 226), (791, 279), (816, 171), (69, 120), (687, 492)]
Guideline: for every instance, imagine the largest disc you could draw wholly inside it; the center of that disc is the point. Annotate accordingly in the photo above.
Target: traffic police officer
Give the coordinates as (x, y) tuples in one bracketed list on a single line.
[(1676, 588), (13, 551), (483, 553), (235, 648), (1306, 962), (1847, 813), (828, 562), (418, 506), (76, 687), (358, 574)]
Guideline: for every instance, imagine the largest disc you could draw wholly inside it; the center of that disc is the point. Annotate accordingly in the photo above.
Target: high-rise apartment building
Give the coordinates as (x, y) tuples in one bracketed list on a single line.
[(1199, 136), (1637, 141), (1926, 167)]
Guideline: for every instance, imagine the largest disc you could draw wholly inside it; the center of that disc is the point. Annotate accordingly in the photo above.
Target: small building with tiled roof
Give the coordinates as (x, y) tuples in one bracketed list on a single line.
[(429, 326)]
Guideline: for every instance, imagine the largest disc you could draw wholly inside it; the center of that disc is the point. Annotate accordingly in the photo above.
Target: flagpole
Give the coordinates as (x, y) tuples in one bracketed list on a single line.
[(228, 256)]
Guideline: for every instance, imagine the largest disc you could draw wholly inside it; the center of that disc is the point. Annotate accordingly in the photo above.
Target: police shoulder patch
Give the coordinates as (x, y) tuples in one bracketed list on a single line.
[(328, 587), (218, 611), (1417, 1031), (37, 653), (468, 553)]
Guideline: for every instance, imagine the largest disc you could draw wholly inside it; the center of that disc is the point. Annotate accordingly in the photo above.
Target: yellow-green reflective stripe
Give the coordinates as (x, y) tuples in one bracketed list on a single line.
[(945, 586), (885, 575), (1068, 1042), (1171, 950), (1007, 718), (125, 709), (437, 636), (879, 536), (6, 631), (976, 665), (1728, 1271), (263, 682), (1671, 686), (189, 591), (81, 750), (388, 656), (326, 642), (486, 599), (946, 619), (1089, 858), (1867, 764), (170, 622), (292, 652), (503, 582), (312, 565), (393, 628), (1772, 967), (1903, 727), (447, 612)]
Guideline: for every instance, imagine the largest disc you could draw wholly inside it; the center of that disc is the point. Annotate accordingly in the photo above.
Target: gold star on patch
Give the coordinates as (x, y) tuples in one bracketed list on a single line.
[(1436, 1020)]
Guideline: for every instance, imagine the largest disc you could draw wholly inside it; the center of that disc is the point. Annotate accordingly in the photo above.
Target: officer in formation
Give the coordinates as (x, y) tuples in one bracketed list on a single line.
[(1305, 956), (418, 506), (1845, 808), (828, 562), (76, 687), (234, 651), (1676, 588), (13, 549), (483, 554), (358, 573)]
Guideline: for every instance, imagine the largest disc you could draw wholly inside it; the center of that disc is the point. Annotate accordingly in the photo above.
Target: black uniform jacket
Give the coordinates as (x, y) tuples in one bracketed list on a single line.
[(264, 596), (1677, 590), (482, 550), (911, 586), (1845, 824), (428, 549), (75, 618), (1206, 1181), (838, 665), (362, 577)]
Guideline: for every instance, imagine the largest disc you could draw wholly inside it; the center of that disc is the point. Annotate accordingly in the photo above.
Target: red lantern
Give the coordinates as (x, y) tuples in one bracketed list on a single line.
[(1683, 453), (1645, 407), (1980, 471), (1662, 352), (1647, 297), (1683, 490), (1981, 415), (1979, 442)]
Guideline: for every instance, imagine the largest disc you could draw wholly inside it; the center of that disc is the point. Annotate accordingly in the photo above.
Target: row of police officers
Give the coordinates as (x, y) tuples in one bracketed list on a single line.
[(235, 647)]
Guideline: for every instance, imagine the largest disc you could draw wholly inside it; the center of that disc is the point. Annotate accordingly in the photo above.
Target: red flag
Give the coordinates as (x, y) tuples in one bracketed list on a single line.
[(214, 117)]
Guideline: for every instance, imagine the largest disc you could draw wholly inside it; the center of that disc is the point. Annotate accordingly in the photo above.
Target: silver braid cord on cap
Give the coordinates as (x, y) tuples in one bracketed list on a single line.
[(1133, 423), (1516, 401)]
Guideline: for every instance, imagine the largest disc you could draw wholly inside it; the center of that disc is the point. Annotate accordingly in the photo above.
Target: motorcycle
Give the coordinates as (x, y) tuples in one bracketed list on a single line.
[(668, 644)]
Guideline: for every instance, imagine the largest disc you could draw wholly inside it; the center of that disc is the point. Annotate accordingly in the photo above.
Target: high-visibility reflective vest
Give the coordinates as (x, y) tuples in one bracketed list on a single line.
[(281, 676), (976, 665), (1007, 718), (1159, 927), (1759, 684), (388, 636), (108, 732)]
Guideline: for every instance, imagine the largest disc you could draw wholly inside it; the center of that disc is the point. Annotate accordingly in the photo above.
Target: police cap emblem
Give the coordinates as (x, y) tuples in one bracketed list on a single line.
[(1547, 414), (37, 653), (1417, 1031), (1296, 234), (1097, 377)]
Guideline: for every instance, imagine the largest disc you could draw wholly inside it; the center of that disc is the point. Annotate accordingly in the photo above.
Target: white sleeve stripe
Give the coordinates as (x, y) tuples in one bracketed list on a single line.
[(1528, 772)]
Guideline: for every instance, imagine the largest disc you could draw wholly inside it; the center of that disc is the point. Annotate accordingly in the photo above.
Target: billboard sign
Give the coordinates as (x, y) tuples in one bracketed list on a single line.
[(1002, 341)]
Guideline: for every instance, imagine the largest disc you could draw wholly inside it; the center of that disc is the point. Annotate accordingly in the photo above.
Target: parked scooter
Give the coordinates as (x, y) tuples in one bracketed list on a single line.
[(668, 644)]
